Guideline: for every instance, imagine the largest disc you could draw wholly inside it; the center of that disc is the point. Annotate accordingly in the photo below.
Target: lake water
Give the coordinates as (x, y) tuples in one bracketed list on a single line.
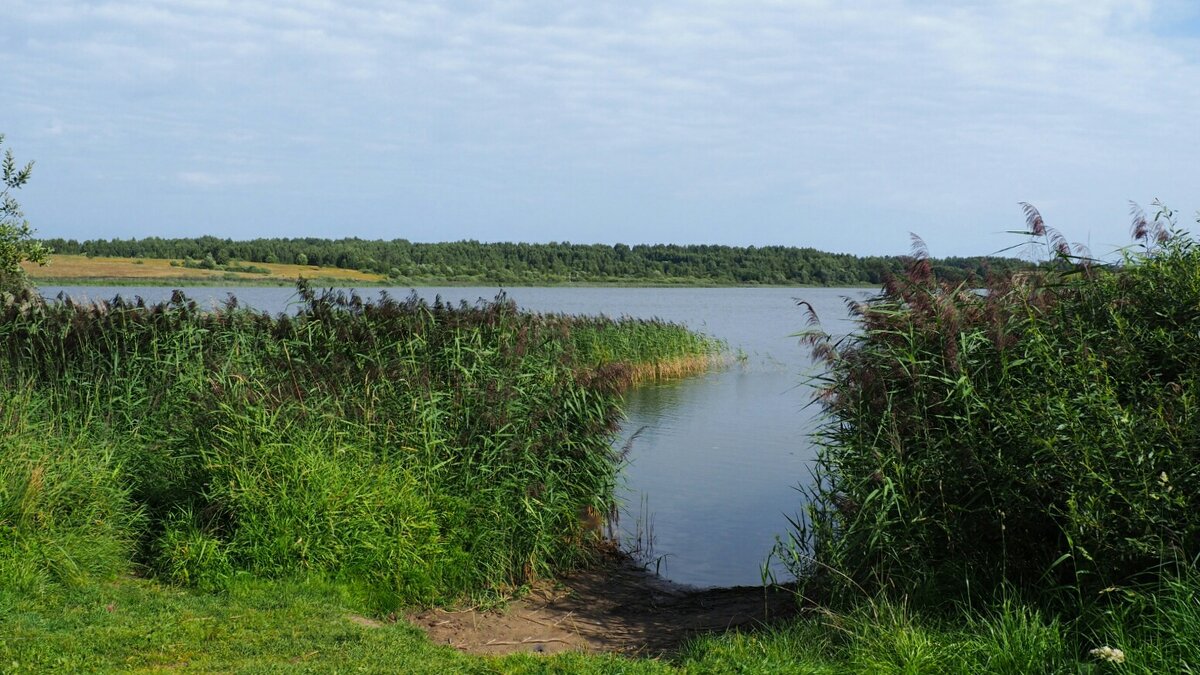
[(714, 460)]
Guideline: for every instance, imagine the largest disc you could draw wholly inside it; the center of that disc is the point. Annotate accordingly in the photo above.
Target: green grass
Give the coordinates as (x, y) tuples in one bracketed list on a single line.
[(65, 520), (129, 624), (1156, 635), (254, 626)]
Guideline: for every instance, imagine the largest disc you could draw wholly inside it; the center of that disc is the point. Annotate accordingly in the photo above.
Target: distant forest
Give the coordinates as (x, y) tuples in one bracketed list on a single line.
[(541, 263)]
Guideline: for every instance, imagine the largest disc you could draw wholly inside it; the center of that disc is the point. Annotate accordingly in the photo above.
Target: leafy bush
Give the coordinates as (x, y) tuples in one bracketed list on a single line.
[(16, 238)]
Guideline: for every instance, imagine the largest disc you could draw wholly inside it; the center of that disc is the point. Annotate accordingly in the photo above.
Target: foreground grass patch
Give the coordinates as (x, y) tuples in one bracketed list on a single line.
[(133, 624), (139, 625), (254, 626)]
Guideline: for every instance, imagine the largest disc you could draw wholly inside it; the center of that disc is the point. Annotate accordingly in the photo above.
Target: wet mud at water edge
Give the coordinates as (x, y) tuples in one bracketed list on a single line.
[(614, 607)]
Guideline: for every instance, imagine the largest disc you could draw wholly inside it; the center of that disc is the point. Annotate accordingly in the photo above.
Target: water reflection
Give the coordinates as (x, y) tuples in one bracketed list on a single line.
[(717, 459)]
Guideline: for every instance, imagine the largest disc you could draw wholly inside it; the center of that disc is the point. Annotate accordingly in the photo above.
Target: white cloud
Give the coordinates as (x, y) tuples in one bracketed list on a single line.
[(903, 113)]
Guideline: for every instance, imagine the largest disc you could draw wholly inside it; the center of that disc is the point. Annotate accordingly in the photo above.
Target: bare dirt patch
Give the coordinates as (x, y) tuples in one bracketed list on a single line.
[(363, 621), (615, 607)]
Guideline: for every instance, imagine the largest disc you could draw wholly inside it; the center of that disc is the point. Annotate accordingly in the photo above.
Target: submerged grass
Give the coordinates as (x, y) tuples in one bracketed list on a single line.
[(649, 349)]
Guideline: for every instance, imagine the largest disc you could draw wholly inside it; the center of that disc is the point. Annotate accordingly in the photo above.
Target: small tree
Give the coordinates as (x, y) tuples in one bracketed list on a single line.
[(16, 237)]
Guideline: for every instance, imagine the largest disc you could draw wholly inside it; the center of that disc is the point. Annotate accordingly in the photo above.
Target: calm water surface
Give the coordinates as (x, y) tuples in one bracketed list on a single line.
[(714, 460)]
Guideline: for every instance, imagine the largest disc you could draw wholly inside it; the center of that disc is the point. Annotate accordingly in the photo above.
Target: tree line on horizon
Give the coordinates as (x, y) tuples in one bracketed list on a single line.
[(555, 261)]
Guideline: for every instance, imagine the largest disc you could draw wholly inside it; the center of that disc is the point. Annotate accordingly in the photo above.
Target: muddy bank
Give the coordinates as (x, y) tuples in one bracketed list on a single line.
[(615, 607)]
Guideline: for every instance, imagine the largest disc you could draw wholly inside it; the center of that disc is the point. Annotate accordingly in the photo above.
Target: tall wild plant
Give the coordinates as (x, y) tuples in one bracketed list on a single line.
[(418, 450), (1040, 431)]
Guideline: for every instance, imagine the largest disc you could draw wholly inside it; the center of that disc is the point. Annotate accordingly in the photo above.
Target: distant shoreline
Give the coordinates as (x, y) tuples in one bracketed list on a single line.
[(188, 282), (472, 262), (77, 270)]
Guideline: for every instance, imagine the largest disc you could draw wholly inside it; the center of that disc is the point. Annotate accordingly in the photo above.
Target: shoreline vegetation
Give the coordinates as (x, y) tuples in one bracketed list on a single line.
[(1006, 480), (434, 414), (400, 262), (388, 453), (76, 270)]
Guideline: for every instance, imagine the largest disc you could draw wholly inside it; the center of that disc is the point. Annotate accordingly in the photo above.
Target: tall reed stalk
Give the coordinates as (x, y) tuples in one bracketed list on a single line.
[(419, 450), (1040, 433)]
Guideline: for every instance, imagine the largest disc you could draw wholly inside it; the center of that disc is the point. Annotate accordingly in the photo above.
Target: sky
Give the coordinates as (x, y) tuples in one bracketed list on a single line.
[(838, 125)]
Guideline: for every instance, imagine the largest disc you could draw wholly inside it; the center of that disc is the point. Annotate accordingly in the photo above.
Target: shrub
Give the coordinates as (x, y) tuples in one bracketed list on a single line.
[(16, 238)]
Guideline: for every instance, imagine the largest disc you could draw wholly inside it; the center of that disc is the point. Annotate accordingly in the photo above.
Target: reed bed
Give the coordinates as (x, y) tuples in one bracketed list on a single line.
[(416, 451), (1039, 435), (651, 349)]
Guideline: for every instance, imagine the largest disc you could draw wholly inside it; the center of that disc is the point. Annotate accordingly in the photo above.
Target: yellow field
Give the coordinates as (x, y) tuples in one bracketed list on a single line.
[(83, 269)]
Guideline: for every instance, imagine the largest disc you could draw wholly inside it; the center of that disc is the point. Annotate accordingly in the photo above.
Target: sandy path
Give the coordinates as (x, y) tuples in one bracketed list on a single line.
[(616, 607)]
